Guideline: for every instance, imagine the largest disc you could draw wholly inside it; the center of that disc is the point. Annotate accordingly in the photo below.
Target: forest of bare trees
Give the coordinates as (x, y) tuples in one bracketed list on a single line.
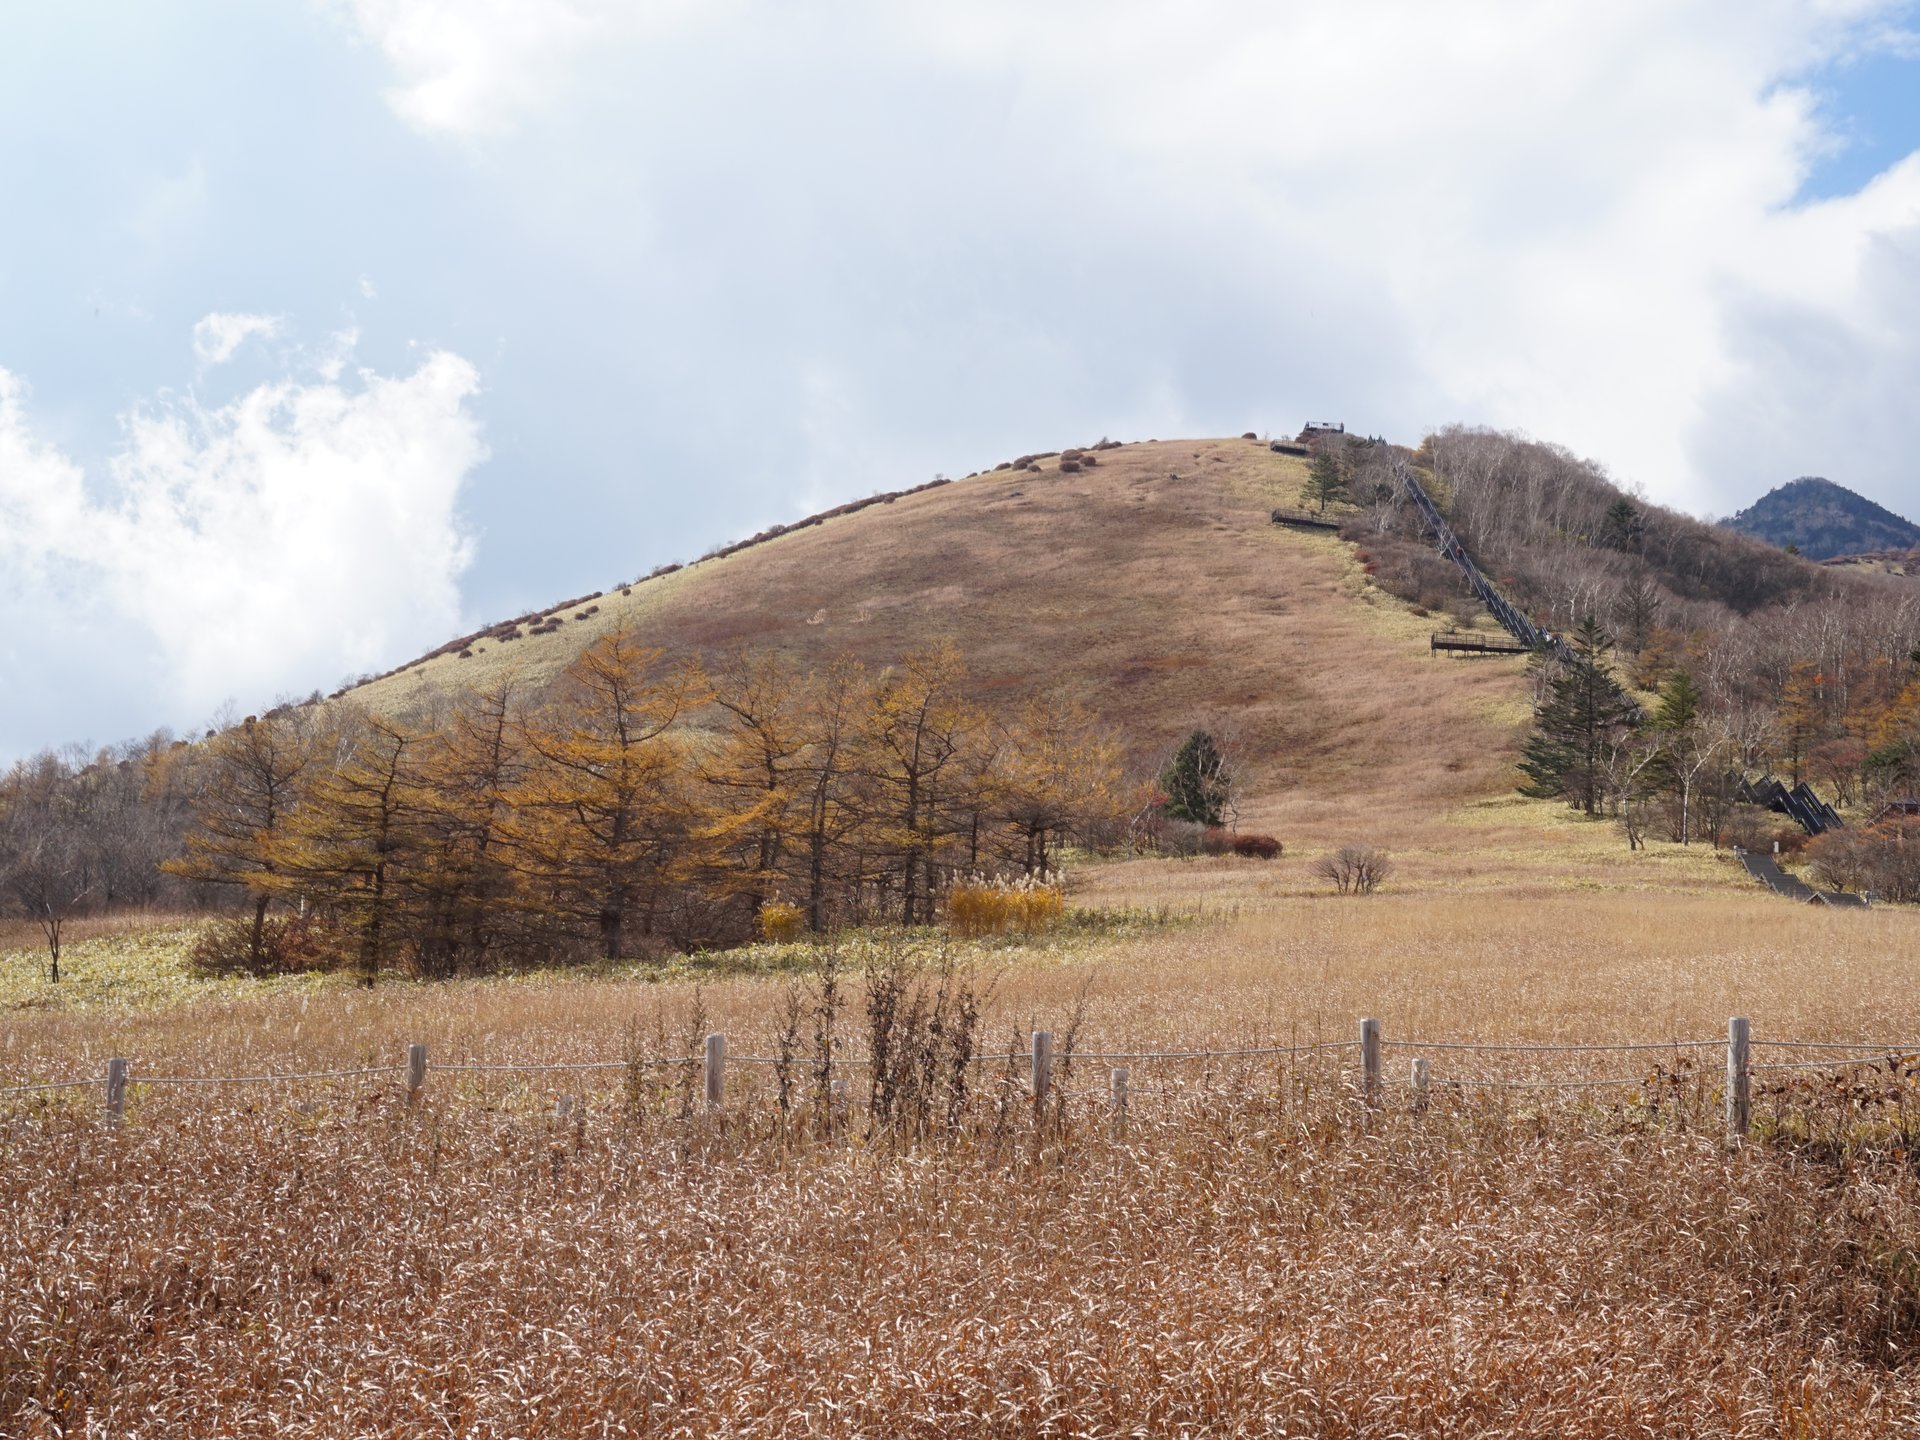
[(1791, 668)]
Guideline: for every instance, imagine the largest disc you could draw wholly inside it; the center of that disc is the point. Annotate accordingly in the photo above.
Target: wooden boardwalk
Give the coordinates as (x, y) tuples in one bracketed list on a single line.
[(1767, 871)]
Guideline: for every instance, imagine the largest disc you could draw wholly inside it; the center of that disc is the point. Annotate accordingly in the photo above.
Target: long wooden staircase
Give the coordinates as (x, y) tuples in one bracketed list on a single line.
[(1527, 636)]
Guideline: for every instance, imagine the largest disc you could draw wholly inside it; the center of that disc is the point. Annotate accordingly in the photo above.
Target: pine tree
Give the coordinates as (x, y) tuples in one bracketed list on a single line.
[(753, 777), (1061, 769), (355, 844), (1197, 783), (466, 879), (1326, 479), (918, 731), (252, 776), (598, 826), (1688, 747), (1802, 714), (1584, 709), (1623, 527), (835, 804), (1679, 707)]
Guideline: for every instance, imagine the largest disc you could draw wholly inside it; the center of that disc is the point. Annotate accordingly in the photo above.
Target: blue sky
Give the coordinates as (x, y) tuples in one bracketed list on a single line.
[(330, 328), (1872, 106)]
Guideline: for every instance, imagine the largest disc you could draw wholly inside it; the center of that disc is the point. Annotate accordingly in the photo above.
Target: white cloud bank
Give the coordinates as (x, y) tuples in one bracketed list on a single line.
[(217, 337), (305, 530), (1578, 219)]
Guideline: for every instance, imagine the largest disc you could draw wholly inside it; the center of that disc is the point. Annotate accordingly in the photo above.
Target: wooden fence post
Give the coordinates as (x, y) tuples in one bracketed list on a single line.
[(116, 1090), (1420, 1080), (1120, 1080), (1370, 1060), (416, 1071), (716, 1070), (1042, 1066), (1739, 1077)]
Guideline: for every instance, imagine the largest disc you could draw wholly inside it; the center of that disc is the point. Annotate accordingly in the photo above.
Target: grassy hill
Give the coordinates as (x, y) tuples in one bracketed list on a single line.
[(1153, 584), (1238, 1250)]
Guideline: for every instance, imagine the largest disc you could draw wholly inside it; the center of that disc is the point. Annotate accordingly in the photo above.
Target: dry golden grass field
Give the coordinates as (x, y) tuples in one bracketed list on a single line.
[(1256, 1251)]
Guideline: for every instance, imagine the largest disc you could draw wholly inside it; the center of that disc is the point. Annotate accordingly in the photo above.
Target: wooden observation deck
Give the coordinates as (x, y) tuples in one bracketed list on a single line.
[(1479, 642), (1306, 519)]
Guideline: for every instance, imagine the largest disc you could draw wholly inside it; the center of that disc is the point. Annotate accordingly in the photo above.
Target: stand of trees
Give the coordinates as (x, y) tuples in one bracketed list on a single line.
[(635, 806), (1792, 669), (80, 835), (1598, 749)]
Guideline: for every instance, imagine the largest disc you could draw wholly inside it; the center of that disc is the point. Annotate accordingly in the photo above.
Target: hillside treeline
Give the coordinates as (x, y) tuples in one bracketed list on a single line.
[(1801, 671), (634, 806)]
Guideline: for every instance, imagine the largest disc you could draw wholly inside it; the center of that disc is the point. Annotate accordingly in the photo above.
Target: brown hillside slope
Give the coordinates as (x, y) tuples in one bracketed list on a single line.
[(1154, 586)]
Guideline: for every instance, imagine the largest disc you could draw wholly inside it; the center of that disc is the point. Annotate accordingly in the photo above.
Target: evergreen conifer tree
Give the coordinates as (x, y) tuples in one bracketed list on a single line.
[(1564, 758), (1679, 707), (1624, 526), (1326, 479), (1197, 783)]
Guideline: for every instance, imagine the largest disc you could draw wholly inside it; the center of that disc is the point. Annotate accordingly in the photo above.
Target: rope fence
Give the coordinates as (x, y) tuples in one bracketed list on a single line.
[(261, 1079), (1041, 1061)]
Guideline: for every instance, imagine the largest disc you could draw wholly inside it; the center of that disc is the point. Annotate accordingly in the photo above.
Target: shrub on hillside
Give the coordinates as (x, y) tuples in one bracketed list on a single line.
[(782, 922), (1746, 827), (289, 945), (1354, 869), (1218, 840), (977, 906), (1069, 467), (1884, 860)]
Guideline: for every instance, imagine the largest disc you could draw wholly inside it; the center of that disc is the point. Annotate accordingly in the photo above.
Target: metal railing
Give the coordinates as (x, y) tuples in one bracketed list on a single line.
[(1511, 619)]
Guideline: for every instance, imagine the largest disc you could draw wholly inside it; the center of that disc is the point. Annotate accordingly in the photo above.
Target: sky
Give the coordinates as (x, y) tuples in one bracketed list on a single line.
[(332, 328)]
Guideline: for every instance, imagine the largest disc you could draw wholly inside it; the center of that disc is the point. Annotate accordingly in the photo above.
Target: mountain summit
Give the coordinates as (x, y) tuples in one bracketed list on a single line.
[(1821, 520)]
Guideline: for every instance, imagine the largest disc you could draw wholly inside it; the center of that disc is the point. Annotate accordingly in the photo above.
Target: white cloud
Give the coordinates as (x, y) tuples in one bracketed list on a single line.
[(217, 336), (1575, 213), (470, 67), (1569, 218), (304, 531)]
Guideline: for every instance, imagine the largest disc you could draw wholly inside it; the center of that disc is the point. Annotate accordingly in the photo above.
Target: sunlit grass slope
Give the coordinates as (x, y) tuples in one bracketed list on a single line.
[(1153, 585)]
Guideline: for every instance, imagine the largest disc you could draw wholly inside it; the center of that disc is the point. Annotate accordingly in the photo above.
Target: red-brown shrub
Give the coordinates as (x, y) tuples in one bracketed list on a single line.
[(1257, 847), (289, 945)]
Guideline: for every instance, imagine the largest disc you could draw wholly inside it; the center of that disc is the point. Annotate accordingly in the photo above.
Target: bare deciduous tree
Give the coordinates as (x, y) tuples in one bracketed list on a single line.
[(46, 859), (1354, 869)]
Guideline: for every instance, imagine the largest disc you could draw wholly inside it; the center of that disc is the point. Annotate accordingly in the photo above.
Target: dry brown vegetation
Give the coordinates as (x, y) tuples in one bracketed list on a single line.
[(1256, 1253), (1161, 602), (1273, 1266)]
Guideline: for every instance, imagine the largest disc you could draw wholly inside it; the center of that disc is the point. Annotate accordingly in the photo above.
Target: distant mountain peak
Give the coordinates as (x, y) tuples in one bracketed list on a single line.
[(1821, 520)]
